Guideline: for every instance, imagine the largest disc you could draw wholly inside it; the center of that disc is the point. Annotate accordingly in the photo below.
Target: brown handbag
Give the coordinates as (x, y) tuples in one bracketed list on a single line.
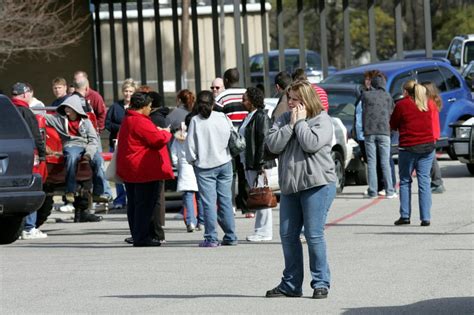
[(261, 197)]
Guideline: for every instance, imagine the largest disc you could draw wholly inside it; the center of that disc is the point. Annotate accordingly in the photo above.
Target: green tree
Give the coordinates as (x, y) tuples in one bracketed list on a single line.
[(450, 23)]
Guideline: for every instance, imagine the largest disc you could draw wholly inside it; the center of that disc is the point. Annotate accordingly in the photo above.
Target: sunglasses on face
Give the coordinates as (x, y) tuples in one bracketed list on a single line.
[(215, 87)]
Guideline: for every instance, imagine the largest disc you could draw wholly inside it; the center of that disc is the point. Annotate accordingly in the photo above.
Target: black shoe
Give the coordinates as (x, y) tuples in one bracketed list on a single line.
[(402, 221), (320, 293), (229, 243), (128, 240), (275, 292), (89, 217), (150, 243), (425, 223)]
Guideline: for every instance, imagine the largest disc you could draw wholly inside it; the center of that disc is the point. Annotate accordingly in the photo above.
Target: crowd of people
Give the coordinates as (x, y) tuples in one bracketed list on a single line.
[(194, 137)]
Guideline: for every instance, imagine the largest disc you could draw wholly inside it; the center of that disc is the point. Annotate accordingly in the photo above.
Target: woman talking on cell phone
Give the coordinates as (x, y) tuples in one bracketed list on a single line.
[(302, 139)]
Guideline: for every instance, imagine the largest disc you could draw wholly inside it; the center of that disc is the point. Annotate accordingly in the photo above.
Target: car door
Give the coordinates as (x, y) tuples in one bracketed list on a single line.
[(16, 147), (450, 91)]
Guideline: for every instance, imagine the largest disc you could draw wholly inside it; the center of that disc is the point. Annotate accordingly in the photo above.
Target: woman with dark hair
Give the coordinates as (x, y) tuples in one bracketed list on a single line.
[(254, 128), (142, 162), (207, 150), (184, 105), (412, 117)]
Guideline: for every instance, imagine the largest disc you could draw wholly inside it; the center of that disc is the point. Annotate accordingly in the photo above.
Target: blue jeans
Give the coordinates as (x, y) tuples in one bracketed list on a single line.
[(72, 155), (30, 221), (200, 216), (189, 207), (215, 186), (378, 144), (407, 162), (121, 198), (308, 208)]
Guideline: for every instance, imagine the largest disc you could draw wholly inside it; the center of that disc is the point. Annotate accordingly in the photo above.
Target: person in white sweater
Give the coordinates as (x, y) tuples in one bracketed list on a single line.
[(207, 150)]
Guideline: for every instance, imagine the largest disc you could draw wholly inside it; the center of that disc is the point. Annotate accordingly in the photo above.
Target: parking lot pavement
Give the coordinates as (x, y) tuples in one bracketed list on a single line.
[(376, 267)]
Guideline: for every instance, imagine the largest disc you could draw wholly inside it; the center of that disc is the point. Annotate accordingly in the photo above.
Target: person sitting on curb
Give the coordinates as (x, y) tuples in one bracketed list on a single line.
[(79, 139)]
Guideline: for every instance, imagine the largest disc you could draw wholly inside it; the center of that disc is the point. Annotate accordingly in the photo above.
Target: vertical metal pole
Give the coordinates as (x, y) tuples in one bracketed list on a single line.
[(281, 38), (347, 34), (222, 32), (266, 70), (428, 36), (245, 46), (324, 38), (398, 29), (141, 43), (301, 35), (159, 53), (126, 53), (238, 41), (217, 46), (197, 65), (94, 46), (100, 69), (113, 50), (177, 50), (372, 45)]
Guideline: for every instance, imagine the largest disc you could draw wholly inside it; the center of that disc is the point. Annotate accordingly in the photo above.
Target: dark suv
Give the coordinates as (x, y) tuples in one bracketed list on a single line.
[(20, 189)]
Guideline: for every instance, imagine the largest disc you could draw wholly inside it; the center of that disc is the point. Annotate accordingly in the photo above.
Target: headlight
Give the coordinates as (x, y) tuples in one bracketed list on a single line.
[(463, 132)]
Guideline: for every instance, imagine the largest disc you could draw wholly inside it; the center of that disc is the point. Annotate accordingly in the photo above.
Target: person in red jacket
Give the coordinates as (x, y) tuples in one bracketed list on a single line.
[(437, 186), (412, 117), (142, 161)]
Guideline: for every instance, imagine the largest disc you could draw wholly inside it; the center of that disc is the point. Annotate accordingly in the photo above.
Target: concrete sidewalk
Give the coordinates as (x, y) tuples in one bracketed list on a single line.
[(377, 268)]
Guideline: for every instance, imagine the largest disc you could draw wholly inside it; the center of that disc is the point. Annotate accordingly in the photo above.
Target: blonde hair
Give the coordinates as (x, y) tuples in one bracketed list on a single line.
[(129, 83), (433, 94), (305, 91), (418, 93)]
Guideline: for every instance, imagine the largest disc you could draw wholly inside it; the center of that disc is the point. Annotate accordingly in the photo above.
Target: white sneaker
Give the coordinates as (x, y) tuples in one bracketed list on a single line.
[(67, 208), (392, 196), (381, 193), (33, 234), (258, 238)]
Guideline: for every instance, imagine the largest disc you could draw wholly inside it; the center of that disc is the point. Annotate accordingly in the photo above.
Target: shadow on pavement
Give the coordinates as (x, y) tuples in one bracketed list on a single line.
[(453, 305)]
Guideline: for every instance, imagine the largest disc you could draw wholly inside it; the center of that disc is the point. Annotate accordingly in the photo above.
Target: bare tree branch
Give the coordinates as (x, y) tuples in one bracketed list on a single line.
[(39, 27)]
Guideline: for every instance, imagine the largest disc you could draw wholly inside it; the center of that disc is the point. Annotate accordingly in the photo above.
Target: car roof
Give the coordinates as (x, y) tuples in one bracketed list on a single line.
[(288, 51), (349, 87), (394, 66)]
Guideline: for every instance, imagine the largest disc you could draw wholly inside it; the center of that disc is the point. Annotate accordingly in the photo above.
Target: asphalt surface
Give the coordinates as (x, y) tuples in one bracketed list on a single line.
[(377, 268)]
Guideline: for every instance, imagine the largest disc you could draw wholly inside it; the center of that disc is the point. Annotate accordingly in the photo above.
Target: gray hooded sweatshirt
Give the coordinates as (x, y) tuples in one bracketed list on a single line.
[(87, 134), (304, 152), (377, 107)]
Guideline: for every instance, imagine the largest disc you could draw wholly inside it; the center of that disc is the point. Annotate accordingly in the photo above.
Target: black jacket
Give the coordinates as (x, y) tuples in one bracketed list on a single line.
[(113, 120), (158, 116), (255, 133)]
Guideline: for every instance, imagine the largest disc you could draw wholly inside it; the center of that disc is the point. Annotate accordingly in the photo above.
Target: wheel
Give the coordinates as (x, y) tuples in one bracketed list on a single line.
[(45, 210), (338, 161), (10, 228), (360, 177), (470, 168)]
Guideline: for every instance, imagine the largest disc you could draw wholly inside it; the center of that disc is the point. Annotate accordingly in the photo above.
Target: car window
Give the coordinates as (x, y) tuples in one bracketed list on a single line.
[(256, 63), (468, 52), (451, 79), (454, 54), (12, 125), (357, 78), (342, 105), (434, 76), (313, 61), (396, 89), (273, 63)]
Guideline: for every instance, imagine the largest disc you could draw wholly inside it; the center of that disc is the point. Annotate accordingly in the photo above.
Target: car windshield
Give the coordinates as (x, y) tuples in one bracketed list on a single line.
[(357, 78), (293, 61), (342, 105)]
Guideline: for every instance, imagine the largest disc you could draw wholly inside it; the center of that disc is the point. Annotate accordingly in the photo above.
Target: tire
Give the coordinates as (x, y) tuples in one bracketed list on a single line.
[(10, 228), (470, 168), (45, 210), (340, 173), (360, 177)]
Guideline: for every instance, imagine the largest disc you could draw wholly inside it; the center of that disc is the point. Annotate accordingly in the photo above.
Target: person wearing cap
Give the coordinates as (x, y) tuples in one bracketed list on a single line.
[(21, 97), (79, 139)]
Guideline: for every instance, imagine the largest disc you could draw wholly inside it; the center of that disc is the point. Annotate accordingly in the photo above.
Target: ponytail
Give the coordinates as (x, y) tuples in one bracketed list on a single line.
[(420, 97), (204, 104)]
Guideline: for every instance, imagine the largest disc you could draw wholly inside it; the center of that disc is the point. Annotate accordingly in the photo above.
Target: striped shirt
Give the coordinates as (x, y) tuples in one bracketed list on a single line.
[(230, 103)]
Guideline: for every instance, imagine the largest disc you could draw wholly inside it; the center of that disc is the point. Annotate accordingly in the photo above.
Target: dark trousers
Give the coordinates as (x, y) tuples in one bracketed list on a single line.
[(158, 216), (243, 187), (141, 202), (436, 179)]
